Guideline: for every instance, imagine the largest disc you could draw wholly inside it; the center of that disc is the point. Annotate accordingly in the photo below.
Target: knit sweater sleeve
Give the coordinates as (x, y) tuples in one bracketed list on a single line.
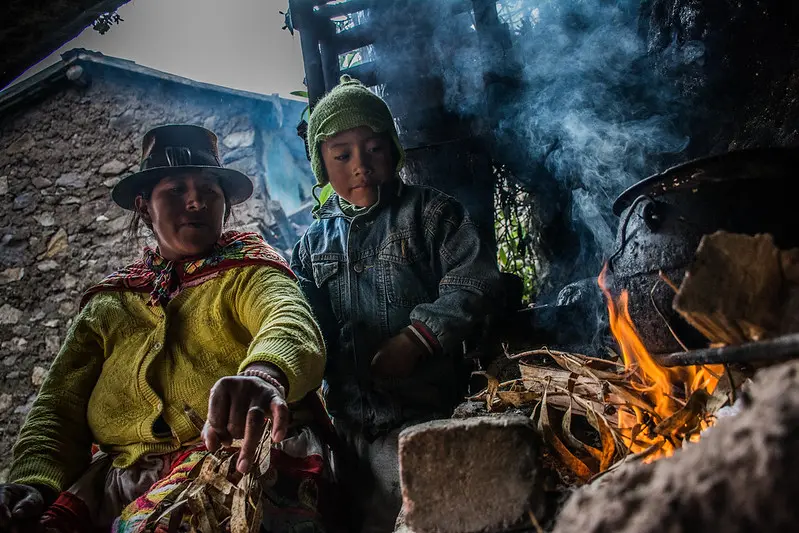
[(54, 445), (270, 305)]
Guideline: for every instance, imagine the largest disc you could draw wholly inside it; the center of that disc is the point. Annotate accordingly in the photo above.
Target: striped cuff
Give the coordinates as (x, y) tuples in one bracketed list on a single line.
[(426, 337)]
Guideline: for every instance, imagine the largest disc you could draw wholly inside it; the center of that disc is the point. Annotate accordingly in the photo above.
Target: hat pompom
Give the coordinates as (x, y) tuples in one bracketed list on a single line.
[(346, 79)]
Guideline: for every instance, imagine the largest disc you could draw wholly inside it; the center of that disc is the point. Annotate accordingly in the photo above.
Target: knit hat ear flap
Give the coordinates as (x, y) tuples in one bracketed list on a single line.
[(348, 105)]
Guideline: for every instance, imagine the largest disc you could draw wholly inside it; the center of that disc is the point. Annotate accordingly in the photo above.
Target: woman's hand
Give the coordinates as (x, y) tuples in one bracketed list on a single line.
[(21, 507), (238, 408)]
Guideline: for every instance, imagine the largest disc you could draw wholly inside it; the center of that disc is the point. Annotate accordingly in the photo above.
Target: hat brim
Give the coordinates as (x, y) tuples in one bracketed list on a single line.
[(237, 186)]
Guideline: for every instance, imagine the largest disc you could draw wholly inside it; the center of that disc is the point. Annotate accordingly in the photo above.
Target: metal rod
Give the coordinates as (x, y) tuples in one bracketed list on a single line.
[(777, 349)]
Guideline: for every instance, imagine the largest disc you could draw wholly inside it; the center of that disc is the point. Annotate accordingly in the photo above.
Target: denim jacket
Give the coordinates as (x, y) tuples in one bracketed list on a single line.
[(415, 256)]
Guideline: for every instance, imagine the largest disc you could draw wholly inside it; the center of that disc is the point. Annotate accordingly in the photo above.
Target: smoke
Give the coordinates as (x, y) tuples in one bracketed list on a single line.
[(589, 112), (593, 108)]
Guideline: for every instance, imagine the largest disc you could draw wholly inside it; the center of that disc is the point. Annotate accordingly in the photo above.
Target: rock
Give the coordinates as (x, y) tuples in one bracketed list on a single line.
[(51, 323), (71, 200), (45, 219), (9, 360), (471, 475), (209, 123), (14, 374), (70, 282), (3, 184), (20, 343), (52, 344), (246, 165), (47, 266), (25, 200), (38, 375), (9, 315), (57, 245), (71, 180), (21, 330), (113, 168), (5, 402), (239, 139), (25, 409), (66, 308), (124, 121), (23, 144), (235, 155), (38, 316), (10, 275), (110, 182), (41, 183)]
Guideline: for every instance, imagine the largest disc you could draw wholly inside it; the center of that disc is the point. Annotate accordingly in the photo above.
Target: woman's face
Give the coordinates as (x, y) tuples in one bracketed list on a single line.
[(357, 161), (186, 213)]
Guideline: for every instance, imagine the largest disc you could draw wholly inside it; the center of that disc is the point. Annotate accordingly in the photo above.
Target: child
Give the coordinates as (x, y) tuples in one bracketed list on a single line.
[(398, 279)]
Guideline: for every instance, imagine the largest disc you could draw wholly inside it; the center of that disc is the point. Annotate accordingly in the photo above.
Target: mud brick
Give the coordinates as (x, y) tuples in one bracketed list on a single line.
[(468, 475)]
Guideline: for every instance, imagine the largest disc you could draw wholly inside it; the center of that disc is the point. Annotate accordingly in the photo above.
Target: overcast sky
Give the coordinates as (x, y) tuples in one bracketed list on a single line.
[(235, 43)]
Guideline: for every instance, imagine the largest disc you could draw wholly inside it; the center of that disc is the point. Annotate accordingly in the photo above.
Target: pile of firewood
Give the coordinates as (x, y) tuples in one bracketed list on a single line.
[(597, 391)]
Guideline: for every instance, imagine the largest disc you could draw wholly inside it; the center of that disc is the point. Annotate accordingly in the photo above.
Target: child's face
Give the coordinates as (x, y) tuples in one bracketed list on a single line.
[(357, 161)]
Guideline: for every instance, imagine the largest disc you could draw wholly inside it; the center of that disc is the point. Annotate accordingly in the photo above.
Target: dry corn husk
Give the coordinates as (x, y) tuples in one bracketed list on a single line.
[(216, 498), (594, 389)]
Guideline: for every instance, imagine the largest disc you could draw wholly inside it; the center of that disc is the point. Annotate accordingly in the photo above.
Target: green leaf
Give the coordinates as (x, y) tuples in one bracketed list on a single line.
[(301, 94), (325, 193)]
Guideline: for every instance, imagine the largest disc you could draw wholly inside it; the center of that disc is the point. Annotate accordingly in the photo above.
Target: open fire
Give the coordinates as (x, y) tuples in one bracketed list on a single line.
[(636, 407), (674, 397)]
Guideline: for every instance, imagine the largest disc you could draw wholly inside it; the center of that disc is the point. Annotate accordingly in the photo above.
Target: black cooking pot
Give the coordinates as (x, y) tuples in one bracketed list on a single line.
[(663, 218)]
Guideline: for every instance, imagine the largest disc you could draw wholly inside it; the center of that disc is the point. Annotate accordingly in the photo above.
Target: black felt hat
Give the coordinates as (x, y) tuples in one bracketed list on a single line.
[(175, 149)]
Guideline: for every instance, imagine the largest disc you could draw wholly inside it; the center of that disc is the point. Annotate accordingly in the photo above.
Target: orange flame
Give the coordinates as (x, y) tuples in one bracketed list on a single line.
[(666, 390)]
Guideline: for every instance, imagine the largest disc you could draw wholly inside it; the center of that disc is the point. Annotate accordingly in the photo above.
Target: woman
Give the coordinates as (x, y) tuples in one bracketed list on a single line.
[(398, 278), (209, 320)]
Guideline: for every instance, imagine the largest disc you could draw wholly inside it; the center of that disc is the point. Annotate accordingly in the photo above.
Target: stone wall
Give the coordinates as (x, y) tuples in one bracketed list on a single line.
[(59, 230)]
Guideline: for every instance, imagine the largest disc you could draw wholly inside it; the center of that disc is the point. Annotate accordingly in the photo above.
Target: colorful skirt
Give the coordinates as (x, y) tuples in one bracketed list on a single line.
[(297, 492)]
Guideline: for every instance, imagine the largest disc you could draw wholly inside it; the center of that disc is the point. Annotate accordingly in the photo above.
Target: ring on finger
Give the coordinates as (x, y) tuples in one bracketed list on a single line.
[(257, 408)]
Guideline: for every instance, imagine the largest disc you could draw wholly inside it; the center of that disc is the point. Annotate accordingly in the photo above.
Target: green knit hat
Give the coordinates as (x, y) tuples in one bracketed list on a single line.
[(348, 105)]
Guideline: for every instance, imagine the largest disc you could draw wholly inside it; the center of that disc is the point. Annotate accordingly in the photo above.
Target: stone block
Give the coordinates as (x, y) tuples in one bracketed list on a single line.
[(471, 475), (114, 167)]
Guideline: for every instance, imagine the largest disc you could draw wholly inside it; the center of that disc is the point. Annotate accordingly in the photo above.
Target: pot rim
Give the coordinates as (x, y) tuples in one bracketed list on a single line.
[(750, 163)]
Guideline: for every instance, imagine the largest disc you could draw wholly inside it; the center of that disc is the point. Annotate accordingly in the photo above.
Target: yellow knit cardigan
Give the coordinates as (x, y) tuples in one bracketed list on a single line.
[(125, 363)]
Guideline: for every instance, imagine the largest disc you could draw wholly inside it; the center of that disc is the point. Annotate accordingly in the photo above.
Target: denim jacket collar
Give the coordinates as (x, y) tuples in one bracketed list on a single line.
[(332, 209)]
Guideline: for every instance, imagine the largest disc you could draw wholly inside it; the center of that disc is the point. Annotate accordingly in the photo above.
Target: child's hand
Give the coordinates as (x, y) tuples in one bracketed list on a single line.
[(21, 507), (398, 356)]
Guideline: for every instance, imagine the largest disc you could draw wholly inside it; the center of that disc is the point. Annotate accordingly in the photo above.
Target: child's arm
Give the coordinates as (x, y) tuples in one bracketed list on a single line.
[(470, 282), (54, 445), (317, 297)]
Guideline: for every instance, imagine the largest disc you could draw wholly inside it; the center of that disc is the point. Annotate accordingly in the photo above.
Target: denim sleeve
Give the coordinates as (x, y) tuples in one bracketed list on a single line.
[(317, 297), (469, 276)]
